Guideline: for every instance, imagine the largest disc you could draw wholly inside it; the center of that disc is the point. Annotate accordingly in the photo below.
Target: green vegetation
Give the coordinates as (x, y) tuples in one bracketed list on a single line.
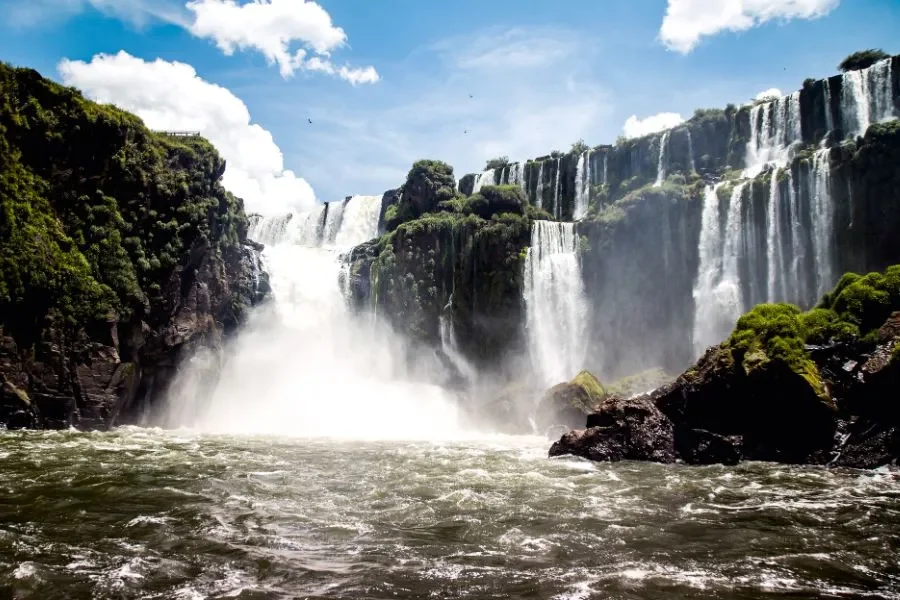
[(579, 148), (497, 163), (95, 209), (855, 310), (862, 59)]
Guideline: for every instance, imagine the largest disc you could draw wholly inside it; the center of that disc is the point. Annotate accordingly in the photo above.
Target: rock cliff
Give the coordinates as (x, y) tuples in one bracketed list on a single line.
[(120, 252)]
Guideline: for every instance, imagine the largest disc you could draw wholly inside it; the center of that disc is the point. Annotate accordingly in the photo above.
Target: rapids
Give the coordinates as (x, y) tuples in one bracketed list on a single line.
[(145, 513)]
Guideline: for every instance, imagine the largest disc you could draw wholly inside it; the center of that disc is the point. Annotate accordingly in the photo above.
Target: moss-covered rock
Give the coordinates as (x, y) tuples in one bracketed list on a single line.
[(567, 403)]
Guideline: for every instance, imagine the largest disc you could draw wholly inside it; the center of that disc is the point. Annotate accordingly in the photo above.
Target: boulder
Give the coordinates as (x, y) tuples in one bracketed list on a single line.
[(702, 447), (622, 429), (568, 404)]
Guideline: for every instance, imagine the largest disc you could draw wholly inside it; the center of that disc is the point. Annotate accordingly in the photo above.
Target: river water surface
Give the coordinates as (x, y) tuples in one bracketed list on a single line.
[(143, 513)]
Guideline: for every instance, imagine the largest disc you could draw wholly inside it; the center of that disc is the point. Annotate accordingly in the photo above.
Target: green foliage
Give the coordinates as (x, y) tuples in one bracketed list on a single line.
[(95, 209), (862, 59), (809, 82), (856, 308), (579, 148), (497, 163)]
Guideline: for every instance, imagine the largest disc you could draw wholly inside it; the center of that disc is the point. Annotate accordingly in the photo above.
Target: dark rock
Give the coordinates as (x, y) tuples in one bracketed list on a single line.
[(622, 429), (701, 447)]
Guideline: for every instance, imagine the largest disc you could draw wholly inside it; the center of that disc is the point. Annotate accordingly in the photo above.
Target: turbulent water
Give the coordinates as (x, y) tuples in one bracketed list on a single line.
[(154, 515), (555, 302), (304, 364)]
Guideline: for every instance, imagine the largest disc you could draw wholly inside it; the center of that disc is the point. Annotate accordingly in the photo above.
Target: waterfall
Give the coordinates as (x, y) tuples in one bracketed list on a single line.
[(605, 168), (822, 221), (582, 185), (483, 179), (718, 299), (304, 364), (691, 151), (555, 301), (661, 163), (866, 98), (557, 209), (334, 212), (450, 347), (829, 116), (360, 221), (775, 257), (515, 175), (539, 188), (779, 129)]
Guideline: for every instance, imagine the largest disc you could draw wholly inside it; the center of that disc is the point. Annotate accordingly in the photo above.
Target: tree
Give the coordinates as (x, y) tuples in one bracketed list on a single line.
[(862, 59), (497, 163), (579, 147)]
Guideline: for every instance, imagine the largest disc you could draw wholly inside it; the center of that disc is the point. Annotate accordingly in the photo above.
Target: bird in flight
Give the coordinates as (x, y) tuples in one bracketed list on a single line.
[(310, 121)]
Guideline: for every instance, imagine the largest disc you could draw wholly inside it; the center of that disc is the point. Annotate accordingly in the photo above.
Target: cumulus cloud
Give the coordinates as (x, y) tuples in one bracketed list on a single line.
[(635, 127), (272, 28), (769, 93), (171, 96), (687, 21)]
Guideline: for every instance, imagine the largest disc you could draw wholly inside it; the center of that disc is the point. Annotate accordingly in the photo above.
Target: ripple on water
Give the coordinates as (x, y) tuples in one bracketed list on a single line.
[(144, 513)]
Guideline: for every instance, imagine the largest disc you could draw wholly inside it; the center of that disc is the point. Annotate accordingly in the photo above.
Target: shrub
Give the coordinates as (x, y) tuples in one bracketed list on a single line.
[(862, 59)]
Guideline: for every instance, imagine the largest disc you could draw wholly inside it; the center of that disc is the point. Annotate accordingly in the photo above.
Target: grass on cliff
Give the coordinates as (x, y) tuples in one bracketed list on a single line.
[(95, 209)]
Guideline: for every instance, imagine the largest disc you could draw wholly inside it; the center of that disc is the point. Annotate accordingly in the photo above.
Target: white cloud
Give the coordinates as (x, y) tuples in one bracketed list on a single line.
[(467, 108), (769, 93), (687, 21), (273, 27), (635, 127), (171, 96)]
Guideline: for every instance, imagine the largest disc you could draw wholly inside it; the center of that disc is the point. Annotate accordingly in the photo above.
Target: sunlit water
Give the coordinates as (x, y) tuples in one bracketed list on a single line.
[(151, 514)]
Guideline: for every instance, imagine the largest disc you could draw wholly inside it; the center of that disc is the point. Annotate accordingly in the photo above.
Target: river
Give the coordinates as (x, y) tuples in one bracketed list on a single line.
[(148, 513)]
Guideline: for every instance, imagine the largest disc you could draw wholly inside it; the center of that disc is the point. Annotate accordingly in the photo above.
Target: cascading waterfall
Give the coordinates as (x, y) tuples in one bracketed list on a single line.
[(605, 168), (557, 209), (450, 347), (334, 212), (776, 257), (582, 185), (691, 151), (539, 187), (483, 179), (866, 98), (775, 127), (304, 364), (718, 297), (829, 117), (822, 221), (555, 301), (661, 163)]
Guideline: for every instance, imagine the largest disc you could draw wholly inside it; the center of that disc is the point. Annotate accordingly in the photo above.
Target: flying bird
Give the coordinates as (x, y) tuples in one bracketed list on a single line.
[(310, 121)]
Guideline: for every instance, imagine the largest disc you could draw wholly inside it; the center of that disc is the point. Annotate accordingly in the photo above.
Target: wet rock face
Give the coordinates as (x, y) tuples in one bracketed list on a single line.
[(70, 378), (622, 429)]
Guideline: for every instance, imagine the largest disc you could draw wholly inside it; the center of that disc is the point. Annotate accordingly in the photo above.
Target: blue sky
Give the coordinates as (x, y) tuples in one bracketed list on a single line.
[(541, 74)]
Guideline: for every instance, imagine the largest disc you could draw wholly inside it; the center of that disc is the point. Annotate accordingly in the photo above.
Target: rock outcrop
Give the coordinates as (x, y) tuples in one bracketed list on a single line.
[(621, 429), (768, 394), (120, 253), (566, 404)]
